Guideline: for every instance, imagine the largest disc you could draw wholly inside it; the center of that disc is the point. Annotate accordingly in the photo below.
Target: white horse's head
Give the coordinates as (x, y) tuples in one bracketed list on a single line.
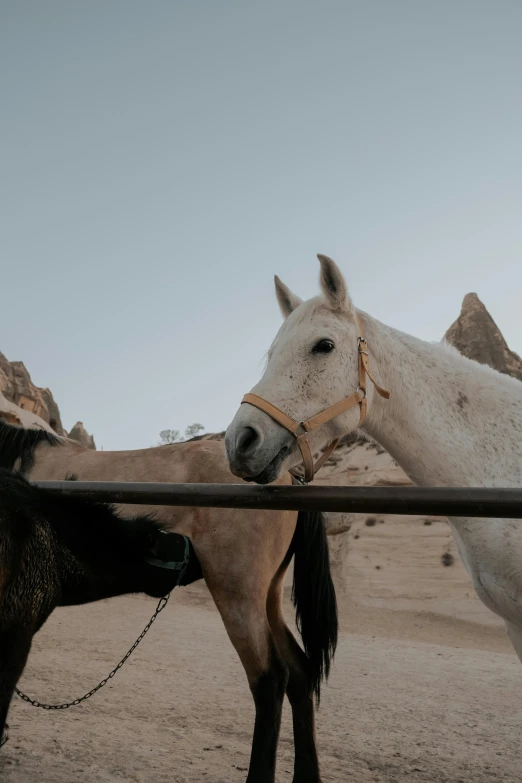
[(312, 364)]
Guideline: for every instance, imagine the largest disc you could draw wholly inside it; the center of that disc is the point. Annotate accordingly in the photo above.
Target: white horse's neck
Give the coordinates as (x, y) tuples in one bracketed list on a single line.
[(450, 421)]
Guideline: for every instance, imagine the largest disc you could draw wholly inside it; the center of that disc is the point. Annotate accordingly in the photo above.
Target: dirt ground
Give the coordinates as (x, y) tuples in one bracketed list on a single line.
[(413, 695)]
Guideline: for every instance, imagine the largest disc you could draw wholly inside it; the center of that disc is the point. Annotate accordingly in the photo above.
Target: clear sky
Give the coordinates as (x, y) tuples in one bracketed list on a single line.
[(161, 159)]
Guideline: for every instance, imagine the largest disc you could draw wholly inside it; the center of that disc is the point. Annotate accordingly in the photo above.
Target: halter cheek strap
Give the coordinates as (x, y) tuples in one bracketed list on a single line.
[(300, 429)]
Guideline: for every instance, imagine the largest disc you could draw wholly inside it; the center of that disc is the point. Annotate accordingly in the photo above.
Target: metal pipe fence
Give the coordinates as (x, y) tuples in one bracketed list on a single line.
[(433, 501)]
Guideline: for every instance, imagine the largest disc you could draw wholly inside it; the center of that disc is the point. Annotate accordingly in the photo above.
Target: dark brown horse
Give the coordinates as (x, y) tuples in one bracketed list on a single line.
[(61, 551)]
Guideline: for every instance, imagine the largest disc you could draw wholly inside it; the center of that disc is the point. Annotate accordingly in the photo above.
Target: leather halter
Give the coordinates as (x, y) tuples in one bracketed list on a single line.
[(300, 429)]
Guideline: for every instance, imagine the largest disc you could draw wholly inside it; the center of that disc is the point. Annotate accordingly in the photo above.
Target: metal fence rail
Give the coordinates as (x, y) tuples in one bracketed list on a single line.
[(435, 501)]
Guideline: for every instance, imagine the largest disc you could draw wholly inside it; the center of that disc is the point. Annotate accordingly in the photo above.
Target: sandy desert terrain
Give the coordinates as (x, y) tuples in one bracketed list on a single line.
[(424, 688)]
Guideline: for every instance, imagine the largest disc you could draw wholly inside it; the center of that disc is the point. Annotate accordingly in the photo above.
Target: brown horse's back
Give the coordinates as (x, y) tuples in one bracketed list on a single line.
[(201, 461)]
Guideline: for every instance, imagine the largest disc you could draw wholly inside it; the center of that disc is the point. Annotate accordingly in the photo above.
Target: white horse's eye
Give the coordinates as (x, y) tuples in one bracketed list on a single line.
[(323, 346)]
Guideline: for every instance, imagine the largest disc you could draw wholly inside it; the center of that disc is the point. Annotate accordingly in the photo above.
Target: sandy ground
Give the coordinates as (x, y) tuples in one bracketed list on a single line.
[(413, 695)]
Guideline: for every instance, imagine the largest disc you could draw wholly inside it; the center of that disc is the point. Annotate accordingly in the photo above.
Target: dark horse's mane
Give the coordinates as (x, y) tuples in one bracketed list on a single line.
[(17, 446), (87, 527)]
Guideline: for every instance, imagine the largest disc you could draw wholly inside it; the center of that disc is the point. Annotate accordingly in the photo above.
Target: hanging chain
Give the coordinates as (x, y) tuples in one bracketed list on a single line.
[(160, 607)]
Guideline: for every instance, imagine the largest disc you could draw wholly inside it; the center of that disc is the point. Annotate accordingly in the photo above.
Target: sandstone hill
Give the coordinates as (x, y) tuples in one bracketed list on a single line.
[(476, 335), (23, 403), (80, 434)]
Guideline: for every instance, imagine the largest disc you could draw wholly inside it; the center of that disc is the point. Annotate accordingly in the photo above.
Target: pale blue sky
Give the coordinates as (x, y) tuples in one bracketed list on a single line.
[(161, 160)]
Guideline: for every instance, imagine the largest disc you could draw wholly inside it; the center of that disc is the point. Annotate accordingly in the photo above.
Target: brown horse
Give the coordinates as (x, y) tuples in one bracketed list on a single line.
[(244, 556)]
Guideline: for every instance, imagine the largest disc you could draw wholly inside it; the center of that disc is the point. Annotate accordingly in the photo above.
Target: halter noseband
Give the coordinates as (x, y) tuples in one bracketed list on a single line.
[(300, 429)]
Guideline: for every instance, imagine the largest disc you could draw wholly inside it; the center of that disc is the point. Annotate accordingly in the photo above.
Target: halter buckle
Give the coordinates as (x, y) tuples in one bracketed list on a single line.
[(363, 391), (301, 430)]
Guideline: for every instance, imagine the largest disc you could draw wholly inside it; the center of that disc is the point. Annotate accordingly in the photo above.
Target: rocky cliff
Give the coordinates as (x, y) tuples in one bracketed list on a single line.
[(476, 335), (16, 385), (80, 434), (19, 393), (12, 414)]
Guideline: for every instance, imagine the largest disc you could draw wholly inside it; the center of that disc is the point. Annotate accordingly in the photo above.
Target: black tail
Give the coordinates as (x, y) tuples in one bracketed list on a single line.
[(313, 594)]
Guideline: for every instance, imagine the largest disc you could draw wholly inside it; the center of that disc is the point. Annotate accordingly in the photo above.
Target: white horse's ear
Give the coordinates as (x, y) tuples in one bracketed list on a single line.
[(333, 285), (287, 300)]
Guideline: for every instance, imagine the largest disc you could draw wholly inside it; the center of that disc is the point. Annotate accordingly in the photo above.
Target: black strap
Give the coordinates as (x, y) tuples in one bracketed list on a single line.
[(172, 565)]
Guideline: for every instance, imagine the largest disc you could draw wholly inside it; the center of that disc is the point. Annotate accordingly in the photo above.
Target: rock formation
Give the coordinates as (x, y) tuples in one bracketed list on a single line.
[(80, 434), (16, 385), (12, 414), (23, 403), (476, 335)]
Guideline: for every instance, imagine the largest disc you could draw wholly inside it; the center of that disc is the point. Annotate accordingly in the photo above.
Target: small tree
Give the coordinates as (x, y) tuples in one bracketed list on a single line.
[(193, 430), (169, 436)]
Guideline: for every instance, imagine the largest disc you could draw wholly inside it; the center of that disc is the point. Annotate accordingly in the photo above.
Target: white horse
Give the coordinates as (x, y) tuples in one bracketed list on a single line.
[(449, 421)]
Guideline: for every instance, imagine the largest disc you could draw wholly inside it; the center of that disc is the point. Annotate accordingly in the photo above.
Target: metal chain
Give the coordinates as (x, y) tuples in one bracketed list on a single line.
[(162, 603)]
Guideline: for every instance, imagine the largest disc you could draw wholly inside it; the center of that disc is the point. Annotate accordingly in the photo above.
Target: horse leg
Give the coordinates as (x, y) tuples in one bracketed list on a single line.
[(306, 764), (244, 615), (15, 643)]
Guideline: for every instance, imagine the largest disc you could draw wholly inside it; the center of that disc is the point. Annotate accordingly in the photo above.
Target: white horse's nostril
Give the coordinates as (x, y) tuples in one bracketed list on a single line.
[(246, 440)]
